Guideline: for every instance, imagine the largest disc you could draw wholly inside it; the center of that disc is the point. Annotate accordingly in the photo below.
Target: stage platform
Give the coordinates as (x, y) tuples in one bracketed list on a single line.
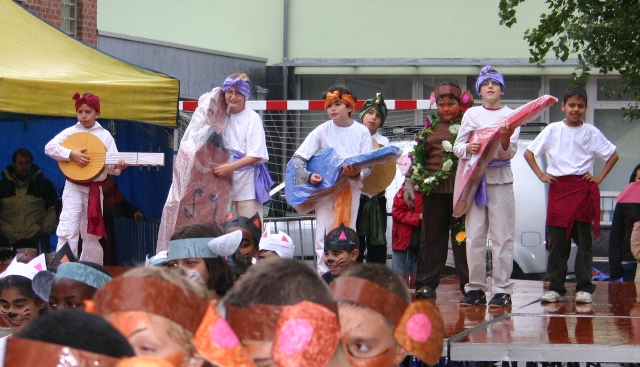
[(605, 331)]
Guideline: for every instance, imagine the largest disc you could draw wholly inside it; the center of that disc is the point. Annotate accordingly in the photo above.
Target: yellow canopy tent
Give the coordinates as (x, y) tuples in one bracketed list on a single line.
[(41, 68)]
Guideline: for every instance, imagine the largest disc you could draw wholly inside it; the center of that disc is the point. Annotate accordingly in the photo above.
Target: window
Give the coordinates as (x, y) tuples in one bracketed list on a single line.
[(68, 17), (624, 134)]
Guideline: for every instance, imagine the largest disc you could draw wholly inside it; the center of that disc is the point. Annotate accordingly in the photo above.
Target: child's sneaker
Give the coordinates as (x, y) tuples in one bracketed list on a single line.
[(551, 297), (474, 298), (583, 297), (500, 300)]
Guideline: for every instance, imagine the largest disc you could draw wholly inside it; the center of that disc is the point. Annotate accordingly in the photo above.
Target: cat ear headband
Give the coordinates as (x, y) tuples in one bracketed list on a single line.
[(280, 243), (419, 326), (213, 338), (28, 270), (304, 334), (203, 248)]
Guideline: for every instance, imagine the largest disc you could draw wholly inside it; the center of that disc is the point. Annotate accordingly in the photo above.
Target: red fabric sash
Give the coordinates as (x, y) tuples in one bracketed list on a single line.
[(571, 199), (95, 223)]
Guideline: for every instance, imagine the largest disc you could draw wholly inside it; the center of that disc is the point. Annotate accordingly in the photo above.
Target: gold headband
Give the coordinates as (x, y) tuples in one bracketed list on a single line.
[(151, 295), (34, 353), (371, 295)]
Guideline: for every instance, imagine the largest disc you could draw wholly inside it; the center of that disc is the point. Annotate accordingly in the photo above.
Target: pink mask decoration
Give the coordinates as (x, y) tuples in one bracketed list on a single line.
[(343, 236), (307, 335), (404, 163)]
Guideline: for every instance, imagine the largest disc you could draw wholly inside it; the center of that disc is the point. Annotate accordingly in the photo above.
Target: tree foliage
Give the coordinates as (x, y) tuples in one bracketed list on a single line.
[(603, 33)]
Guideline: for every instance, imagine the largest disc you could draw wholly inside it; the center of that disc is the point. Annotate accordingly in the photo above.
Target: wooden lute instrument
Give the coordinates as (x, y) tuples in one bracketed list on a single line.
[(96, 150)]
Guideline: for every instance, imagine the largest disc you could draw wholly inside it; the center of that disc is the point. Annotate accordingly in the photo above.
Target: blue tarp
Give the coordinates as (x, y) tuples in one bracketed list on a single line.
[(145, 187)]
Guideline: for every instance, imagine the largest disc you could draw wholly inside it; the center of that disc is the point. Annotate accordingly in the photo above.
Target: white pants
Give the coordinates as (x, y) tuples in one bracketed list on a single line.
[(73, 223), (248, 208), (324, 220), (498, 217)]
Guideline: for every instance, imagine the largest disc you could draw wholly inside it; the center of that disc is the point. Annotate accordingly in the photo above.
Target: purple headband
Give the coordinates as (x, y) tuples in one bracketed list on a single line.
[(488, 73), (242, 85)]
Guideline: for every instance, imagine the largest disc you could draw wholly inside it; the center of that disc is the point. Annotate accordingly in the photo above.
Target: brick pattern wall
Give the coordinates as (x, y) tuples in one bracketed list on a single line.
[(87, 16)]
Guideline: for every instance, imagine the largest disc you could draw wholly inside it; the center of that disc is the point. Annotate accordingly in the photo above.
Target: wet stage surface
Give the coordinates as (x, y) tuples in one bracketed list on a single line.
[(607, 330)]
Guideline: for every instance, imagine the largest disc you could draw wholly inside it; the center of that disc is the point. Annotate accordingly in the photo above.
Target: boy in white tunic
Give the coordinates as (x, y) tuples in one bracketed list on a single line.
[(573, 211), (82, 202), (494, 211), (348, 138)]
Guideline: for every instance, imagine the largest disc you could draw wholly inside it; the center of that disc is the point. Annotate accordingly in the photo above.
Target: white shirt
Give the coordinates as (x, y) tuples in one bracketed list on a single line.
[(55, 150), (244, 133), (382, 140), (479, 117), (571, 150), (347, 141)]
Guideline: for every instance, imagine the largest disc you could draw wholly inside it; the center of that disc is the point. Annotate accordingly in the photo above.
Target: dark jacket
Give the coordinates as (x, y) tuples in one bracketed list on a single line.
[(624, 215), (27, 206)]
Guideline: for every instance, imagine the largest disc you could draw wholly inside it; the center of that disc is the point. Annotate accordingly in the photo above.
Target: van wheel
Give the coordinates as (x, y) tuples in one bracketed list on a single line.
[(517, 272)]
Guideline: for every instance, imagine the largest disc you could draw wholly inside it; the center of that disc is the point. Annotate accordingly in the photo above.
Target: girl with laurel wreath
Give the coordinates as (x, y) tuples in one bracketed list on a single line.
[(434, 167)]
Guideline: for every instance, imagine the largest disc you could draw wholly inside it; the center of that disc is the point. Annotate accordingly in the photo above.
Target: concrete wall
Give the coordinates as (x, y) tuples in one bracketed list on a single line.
[(246, 27), (330, 29), (198, 70)]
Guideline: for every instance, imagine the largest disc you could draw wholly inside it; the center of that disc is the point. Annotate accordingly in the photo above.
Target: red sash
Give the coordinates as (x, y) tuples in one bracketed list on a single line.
[(571, 199), (95, 223)]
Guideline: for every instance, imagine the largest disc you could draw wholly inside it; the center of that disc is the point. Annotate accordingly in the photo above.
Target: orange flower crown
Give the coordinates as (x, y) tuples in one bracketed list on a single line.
[(336, 96)]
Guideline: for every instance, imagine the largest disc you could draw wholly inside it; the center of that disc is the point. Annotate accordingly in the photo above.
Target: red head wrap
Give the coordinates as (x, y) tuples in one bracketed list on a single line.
[(89, 99)]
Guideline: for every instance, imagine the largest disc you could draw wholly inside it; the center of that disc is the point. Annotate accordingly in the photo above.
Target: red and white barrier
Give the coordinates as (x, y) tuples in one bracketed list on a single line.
[(316, 105)]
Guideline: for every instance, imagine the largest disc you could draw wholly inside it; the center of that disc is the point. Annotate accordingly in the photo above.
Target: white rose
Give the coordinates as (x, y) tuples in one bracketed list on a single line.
[(429, 180), (446, 146), (446, 166), (453, 129)]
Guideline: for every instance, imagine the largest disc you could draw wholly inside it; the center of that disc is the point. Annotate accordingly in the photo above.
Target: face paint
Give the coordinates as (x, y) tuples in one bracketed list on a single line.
[(17, 309), (195, 276)]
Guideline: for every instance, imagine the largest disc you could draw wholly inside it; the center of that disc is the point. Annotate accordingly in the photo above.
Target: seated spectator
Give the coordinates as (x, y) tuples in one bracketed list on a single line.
[(27, 204)]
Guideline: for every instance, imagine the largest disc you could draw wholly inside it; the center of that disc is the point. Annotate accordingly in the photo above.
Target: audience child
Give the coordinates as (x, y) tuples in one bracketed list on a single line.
[(167, 316), (435, 164), (275, 244), (372, 212), (19, 305), (200, 249), (67, 337), (278, 292), (251, 229), (71, 286), (348, 138), (244, 136), (622, 263), (375, 311), (81, 202), (341, 251), (405, 235), (573, 210), (494, 211)]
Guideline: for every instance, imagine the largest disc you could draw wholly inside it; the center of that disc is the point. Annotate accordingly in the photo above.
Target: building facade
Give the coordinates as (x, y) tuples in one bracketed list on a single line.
[(298, 48)]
